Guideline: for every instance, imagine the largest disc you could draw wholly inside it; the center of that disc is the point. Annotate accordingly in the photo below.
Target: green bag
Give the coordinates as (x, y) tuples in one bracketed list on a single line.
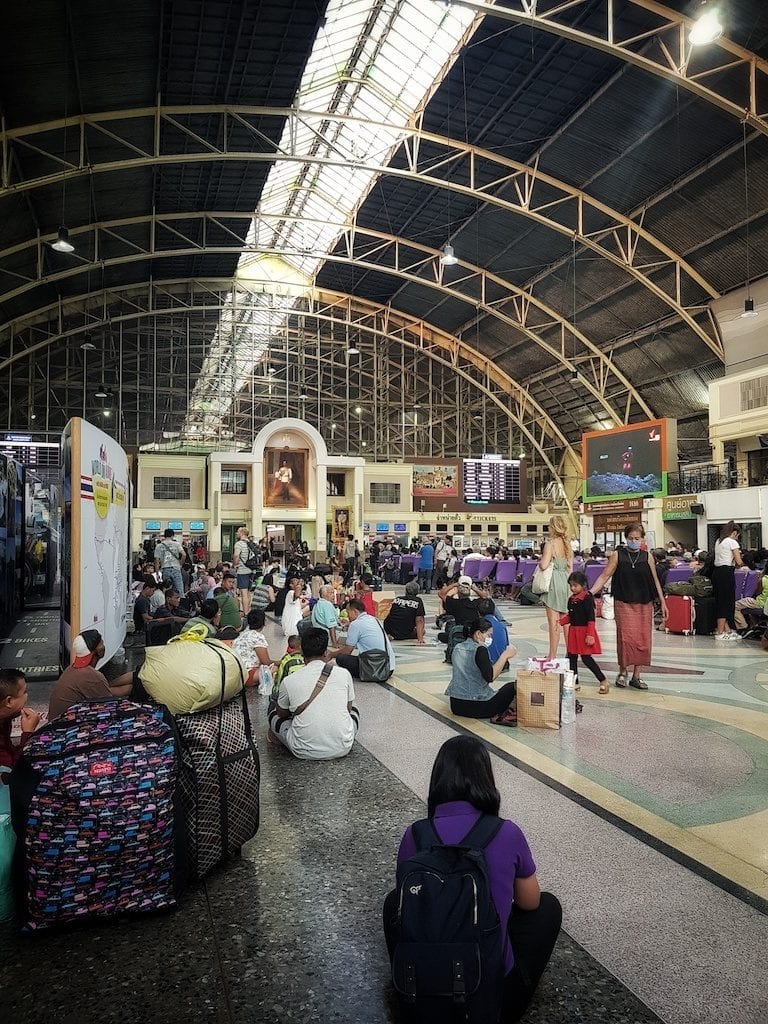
[(685, 589), (7, 848), (702, 586)]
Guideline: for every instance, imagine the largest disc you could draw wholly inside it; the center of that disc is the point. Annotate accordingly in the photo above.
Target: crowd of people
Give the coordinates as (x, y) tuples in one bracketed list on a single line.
[(335, 635)]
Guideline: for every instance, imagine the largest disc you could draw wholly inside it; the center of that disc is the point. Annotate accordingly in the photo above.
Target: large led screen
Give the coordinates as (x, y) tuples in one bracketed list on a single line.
[(629, 461)]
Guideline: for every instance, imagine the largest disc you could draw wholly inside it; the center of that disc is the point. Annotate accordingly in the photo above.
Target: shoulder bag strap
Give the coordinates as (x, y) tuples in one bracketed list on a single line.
[(386, 642), (327, 669)]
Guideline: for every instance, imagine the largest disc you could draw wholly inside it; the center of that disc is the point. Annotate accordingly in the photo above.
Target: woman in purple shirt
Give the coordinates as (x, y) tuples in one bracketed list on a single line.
[(461, 789)]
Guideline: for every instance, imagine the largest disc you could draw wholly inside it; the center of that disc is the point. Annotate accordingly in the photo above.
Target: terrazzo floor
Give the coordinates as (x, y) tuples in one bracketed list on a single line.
[(646, 818)]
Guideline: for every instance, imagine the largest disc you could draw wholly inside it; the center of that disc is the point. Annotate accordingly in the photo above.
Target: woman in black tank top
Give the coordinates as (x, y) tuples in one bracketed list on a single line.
[(635, 587)]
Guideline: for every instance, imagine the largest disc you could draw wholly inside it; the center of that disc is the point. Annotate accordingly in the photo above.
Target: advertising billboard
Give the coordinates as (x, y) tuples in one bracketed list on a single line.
[(96, 536), (629, 462)]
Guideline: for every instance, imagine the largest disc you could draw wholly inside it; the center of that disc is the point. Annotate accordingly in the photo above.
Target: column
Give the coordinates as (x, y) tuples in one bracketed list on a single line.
[(321, 512), (214, 505)]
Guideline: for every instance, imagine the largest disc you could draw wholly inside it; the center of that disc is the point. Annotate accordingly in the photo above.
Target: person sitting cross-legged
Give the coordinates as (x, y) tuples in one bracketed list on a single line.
[(405, 620), (315, 717), (365, 634)]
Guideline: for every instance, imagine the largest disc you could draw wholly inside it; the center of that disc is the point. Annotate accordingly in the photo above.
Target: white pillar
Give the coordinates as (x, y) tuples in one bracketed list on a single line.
[(214, 504), (321, 511)]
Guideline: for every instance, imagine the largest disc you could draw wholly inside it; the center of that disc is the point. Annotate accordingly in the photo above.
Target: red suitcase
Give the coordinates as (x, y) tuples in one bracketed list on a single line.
[(681, 614)]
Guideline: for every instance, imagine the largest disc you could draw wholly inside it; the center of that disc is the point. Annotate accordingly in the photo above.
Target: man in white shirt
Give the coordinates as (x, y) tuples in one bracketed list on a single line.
[(315, 716), (365, 633)]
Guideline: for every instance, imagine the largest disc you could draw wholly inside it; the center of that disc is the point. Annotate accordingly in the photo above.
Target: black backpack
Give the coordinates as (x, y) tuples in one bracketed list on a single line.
[(448, 964), (253, 561)]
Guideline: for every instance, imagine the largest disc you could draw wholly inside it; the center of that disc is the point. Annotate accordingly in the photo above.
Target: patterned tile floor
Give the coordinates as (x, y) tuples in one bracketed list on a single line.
[(685, 762)]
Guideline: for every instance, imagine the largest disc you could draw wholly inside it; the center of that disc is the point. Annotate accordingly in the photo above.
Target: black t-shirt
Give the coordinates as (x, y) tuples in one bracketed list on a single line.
[(140, 609), (483, 662), (401, 621), (463, 609)]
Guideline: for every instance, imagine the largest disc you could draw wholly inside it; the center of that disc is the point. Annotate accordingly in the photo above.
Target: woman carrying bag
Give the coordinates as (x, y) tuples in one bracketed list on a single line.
[(557, 559)]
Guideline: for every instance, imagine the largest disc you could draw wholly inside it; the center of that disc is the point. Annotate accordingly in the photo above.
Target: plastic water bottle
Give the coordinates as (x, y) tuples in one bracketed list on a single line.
[(568, 699)]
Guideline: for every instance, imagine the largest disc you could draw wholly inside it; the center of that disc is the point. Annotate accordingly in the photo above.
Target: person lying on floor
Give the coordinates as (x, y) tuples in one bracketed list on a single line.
[(472, 673), (315, 717)]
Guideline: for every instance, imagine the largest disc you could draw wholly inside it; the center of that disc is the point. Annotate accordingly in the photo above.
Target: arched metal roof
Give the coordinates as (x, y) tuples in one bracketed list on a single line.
[(585, 163)]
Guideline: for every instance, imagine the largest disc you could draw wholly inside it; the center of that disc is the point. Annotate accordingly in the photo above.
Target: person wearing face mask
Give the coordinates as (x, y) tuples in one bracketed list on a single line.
[(635, 587), (472, 673)]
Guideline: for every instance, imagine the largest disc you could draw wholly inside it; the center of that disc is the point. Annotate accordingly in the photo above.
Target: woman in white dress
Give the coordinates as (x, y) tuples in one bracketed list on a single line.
[(296, 606)]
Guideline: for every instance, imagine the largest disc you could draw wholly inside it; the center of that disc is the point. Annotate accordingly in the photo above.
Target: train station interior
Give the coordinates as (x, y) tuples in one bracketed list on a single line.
[(400, 272)]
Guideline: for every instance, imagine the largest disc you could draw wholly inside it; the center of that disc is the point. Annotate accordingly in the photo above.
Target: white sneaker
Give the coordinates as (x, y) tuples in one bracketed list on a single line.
[(722, 636), (733, 636)]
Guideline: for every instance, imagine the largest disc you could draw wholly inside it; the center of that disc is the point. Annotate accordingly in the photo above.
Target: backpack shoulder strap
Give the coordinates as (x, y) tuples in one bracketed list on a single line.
[(425, 834), (482, 832)]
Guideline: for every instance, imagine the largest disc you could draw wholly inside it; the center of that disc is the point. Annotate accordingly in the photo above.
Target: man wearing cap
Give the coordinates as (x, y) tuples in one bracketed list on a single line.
[(82, 681), (405, 620), (225, 599), (458, 601), (169, 555)]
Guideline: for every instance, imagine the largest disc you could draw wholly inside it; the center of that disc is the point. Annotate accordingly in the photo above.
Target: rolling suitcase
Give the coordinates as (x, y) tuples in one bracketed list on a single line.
[(705, 622), (682, 614), (219, 777), (92, 801)]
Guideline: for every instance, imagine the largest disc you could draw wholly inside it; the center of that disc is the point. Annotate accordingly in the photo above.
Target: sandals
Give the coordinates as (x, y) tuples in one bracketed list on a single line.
[(621, 680), (508, 718), (603, 687), (637, 684)]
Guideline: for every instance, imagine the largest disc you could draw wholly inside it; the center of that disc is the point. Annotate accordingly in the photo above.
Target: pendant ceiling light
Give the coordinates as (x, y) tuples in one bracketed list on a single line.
[(448, 259), (62, 243)]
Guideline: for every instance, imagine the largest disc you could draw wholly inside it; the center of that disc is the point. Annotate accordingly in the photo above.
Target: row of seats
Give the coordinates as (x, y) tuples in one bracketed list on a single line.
[(507, 571)]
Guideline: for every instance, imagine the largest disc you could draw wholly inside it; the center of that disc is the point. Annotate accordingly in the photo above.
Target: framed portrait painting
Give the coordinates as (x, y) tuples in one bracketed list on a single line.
[(285, 478)]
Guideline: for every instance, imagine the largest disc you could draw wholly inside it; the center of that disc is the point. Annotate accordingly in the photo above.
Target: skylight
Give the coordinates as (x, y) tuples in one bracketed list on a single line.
[(377, 62)]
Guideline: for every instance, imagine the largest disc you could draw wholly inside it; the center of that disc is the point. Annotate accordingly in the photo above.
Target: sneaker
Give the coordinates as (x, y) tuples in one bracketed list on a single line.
[(722, 636), (733, 636)]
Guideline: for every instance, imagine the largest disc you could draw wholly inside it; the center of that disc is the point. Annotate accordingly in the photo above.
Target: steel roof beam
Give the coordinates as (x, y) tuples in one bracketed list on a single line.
[(666, 52), (467, 170), (377, 251)]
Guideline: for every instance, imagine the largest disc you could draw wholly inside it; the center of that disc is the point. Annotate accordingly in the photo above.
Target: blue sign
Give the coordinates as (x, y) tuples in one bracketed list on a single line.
[(382, 527), (401, 527), (366, 527), (153, 525), (196, 525), (175, 524)]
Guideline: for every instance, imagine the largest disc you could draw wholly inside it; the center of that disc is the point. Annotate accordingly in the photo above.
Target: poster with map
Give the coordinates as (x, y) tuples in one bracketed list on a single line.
[(98, 535)]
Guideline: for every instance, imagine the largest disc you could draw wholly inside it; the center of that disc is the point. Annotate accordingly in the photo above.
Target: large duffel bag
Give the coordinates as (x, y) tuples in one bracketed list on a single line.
[(218, 781), (92, 801)]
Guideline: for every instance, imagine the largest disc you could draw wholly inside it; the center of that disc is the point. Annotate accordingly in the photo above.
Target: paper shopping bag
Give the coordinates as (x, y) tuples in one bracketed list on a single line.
[(538, 699), (548, 665)]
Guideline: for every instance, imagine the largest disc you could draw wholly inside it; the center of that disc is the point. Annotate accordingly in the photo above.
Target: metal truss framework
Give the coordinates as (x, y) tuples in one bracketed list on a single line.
[(194, 134), (140, 238), (307, 356), (663, 50)]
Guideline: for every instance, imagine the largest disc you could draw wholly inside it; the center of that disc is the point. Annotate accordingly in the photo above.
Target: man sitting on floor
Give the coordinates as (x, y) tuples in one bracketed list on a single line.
[(315, 716), (365, 633), (13, 704), (224, 597), (209, 617), (406, 616), (82, 681)]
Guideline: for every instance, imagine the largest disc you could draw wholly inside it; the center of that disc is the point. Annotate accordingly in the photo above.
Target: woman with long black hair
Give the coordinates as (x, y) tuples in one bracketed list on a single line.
[(461, 790)]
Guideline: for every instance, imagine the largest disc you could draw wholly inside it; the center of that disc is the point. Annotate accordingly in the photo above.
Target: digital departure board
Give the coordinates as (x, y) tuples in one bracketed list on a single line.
[(492, 481)]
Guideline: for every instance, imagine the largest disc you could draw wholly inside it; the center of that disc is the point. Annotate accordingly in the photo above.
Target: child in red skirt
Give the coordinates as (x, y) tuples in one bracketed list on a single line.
[(582, 635)]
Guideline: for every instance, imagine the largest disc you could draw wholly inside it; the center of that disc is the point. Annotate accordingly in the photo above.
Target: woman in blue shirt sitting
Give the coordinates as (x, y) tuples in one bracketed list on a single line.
[(470, 691)]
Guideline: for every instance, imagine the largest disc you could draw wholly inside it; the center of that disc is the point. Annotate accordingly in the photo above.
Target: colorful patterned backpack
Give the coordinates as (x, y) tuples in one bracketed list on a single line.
[(92, 805)]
